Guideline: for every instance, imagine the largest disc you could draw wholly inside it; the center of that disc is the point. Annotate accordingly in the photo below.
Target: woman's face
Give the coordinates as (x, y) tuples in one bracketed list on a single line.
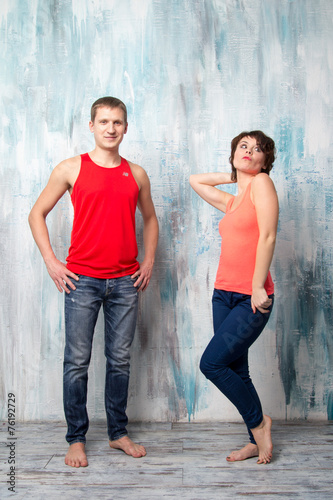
[(248, 156)]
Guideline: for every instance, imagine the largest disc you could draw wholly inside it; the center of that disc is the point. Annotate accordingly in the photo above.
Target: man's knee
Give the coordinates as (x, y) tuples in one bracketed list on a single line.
[(118, 361)]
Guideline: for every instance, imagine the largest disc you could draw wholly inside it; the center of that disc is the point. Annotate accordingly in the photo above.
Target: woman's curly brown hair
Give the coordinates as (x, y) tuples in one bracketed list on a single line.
[(266, 145)]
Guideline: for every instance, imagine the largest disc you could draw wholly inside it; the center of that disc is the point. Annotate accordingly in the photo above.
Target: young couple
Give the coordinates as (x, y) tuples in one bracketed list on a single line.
[(102, 270)]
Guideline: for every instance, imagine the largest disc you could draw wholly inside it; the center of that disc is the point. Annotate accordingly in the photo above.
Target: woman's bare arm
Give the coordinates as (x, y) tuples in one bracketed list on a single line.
[(205, 186)]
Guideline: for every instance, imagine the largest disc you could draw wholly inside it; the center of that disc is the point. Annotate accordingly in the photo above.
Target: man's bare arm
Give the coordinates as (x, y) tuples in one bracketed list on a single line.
[(150, 228), (60, 181)]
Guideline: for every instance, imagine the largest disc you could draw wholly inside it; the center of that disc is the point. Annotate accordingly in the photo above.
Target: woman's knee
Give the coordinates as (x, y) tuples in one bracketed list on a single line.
[(202, 365), (207, 367)]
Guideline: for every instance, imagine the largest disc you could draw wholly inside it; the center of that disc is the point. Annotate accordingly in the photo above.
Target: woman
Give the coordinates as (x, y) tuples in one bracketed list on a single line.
[(243, 292)]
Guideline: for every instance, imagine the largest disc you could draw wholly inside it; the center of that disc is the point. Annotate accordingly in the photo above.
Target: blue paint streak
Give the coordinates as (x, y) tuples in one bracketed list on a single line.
[(330, 406)]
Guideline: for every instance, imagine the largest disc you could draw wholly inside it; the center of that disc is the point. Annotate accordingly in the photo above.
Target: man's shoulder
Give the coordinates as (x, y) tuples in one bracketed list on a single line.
[(67, 170), (134, 166), (139, 174), (137, 169), (72, 162), (68, 165)]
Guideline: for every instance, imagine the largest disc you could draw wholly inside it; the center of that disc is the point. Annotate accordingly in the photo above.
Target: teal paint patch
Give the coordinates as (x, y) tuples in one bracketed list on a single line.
[(305, 312), (330, 406), (185, 386)]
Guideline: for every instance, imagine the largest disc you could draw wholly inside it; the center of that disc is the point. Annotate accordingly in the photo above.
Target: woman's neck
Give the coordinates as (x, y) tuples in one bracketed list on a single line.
[(243, 180)]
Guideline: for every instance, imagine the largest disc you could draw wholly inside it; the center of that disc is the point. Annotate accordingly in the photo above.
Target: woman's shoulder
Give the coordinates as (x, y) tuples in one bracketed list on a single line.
[(262, 186), (262, 181)]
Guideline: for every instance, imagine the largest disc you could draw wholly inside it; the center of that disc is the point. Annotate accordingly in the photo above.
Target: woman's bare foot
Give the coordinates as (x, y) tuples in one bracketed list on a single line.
[(76, 455), (249, 451), (262, 436), (126, 444)]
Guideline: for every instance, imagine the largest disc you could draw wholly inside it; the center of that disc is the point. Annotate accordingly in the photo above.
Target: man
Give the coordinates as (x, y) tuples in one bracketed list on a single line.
[(101, 269)]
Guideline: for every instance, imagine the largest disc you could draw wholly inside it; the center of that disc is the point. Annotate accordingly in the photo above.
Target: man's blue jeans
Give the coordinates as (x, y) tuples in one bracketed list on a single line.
[(225, 360), (120, 304)]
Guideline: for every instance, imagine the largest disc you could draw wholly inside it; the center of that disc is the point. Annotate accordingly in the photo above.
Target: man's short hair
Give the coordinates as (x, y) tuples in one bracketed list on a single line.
[(108, 102)]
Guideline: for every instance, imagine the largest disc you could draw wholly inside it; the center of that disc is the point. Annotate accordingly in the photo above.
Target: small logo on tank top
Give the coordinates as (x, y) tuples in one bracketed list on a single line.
[(125, 174)]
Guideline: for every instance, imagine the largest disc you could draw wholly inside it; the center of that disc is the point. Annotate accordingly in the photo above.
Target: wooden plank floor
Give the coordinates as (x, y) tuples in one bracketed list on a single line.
[(184, 461)]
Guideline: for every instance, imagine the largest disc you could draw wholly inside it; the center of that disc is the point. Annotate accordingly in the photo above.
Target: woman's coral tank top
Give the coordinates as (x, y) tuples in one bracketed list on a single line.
[(240, 233), (103, 241)]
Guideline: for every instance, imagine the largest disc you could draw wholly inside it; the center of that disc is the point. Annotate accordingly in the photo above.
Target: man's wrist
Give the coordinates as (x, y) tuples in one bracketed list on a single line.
[(148, 261), (49, 258)]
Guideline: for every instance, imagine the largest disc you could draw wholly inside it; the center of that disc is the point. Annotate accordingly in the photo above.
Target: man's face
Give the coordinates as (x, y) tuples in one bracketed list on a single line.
[(108, 127)]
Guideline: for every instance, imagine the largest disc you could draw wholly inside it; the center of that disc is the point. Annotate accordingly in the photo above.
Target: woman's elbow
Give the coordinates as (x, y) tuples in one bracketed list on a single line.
[(31, 217), (271, 240), (268, 239), (191, 180)]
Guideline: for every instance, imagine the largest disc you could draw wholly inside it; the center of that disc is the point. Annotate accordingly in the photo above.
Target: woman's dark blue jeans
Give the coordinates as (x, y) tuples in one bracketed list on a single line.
[(225, 360)]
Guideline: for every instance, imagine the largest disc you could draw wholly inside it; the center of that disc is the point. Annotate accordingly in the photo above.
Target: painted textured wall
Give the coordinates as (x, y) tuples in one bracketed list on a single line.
[(193, 74)]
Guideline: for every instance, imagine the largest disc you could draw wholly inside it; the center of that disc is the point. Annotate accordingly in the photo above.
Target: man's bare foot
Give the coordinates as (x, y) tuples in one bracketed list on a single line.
[(262, 436), (126, 444), (249, 451), (76, 455)]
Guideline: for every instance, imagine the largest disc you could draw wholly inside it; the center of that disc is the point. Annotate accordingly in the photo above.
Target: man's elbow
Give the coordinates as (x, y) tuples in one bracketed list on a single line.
[(150, 220), (35, 217)]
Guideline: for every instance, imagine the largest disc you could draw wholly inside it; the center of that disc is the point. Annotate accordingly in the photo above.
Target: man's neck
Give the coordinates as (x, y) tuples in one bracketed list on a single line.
[(104, 158)]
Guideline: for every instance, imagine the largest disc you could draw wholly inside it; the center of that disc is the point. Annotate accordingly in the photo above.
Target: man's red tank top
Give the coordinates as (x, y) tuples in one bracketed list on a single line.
[(240, 234), (103, 241)]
